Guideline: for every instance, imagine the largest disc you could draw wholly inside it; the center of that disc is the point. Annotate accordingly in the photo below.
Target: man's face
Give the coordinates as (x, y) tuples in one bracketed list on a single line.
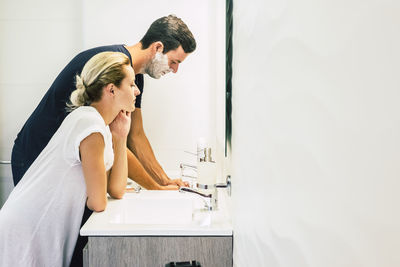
[(162, 64), (176, 57)]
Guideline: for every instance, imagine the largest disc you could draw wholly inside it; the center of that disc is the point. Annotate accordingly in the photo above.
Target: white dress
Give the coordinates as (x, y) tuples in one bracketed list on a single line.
[(40, 221)]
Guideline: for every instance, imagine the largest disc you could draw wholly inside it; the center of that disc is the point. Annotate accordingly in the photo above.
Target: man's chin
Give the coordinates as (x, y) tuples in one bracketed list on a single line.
[(158, 75), (154, 76)]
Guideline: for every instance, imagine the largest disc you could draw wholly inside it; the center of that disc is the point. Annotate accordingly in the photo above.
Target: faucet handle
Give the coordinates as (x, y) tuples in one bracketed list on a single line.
[(228, 185)]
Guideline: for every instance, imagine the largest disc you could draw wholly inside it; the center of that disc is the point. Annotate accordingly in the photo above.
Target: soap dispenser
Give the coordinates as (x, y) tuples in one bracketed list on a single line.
[(207, 172)]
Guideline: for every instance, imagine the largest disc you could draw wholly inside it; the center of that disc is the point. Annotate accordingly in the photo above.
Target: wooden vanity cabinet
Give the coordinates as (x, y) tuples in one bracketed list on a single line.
[(157, 251)]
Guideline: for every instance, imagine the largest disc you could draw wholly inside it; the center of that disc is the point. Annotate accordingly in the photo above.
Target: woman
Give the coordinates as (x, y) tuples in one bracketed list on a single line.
[(84, 160)]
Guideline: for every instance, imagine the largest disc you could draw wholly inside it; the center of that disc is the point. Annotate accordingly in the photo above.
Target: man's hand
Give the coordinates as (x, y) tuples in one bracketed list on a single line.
[(169, 187), (177, 182)]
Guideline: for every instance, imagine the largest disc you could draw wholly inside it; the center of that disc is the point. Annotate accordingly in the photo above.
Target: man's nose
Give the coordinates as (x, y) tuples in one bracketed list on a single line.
[(175, 68)]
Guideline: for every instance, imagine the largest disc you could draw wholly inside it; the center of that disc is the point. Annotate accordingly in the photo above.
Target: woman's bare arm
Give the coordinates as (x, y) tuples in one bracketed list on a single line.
[(118, 175), (119, 128), (92, 157)]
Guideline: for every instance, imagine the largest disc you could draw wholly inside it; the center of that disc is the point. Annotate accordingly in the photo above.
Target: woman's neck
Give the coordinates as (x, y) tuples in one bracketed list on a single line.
[(108, 114)]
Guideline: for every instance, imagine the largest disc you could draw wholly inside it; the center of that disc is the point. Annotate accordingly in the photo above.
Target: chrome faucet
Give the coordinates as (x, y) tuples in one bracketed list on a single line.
[(191, 175), (212, 196), (194, 191), (184, 166)]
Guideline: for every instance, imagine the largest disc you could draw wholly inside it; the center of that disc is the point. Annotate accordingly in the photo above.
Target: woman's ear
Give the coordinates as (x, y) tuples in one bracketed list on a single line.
[(109, 89)]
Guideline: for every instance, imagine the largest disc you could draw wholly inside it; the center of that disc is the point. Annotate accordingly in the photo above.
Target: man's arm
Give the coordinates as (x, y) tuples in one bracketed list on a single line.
[(137, 173), (141, 148)]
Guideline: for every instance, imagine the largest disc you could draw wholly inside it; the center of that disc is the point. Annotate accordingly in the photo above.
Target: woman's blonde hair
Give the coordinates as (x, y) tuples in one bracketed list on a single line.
[(102, 69)]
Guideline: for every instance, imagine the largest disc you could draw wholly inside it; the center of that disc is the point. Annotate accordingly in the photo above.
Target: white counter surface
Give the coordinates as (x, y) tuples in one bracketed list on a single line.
[(160, 213)]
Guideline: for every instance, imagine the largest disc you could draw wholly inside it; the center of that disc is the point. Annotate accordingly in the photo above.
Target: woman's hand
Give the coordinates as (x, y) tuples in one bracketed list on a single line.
[(121, 125), (119, 128)]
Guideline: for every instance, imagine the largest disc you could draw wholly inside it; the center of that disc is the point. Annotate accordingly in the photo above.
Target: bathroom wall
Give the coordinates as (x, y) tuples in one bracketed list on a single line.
[(37, 38), (178, 108), (316, 126)]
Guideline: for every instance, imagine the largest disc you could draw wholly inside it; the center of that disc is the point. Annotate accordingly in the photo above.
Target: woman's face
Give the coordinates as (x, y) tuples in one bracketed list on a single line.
[(127, 91)]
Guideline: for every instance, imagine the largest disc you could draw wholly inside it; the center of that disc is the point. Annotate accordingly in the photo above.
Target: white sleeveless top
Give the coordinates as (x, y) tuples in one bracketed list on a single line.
[(40, 221)]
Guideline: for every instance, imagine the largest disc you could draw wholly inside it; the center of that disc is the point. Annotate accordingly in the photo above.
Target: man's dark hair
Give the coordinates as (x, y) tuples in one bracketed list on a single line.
[(172, 32)]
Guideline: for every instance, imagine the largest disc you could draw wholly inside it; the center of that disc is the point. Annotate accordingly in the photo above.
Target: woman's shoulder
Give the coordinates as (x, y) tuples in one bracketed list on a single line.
[(86, 112), (85, 116)]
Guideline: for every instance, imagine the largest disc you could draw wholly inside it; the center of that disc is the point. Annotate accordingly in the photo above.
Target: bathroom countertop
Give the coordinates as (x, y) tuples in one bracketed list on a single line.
[(160, 213)]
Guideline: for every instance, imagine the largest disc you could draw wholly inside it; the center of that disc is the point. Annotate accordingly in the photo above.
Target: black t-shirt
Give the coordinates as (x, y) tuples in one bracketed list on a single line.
[(51, 111)]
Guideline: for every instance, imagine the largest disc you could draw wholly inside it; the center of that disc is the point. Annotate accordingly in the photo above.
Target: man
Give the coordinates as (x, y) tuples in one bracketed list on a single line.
[(165, 45)]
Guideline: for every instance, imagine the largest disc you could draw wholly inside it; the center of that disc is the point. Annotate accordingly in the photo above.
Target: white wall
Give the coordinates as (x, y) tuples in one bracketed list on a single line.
[(37, 39), (178, 108), (316, 127)]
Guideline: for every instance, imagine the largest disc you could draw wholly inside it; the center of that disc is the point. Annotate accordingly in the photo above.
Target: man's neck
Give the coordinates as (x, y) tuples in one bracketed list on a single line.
[(139, 57)]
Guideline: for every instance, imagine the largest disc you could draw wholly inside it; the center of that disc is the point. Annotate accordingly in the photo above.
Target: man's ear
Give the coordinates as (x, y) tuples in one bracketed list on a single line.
[(157, 47)]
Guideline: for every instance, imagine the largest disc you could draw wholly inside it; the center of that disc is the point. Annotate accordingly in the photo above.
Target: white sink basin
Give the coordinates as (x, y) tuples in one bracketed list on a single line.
[(153, 207), (158, 213)]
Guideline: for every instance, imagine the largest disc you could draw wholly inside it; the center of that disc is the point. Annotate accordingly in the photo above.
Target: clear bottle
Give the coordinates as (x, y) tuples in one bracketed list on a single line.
[(201, 145), (207, 171)]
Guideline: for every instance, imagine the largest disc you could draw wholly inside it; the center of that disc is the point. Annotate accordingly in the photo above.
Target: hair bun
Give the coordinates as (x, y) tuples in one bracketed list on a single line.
[(78, 96), (80, 85)]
